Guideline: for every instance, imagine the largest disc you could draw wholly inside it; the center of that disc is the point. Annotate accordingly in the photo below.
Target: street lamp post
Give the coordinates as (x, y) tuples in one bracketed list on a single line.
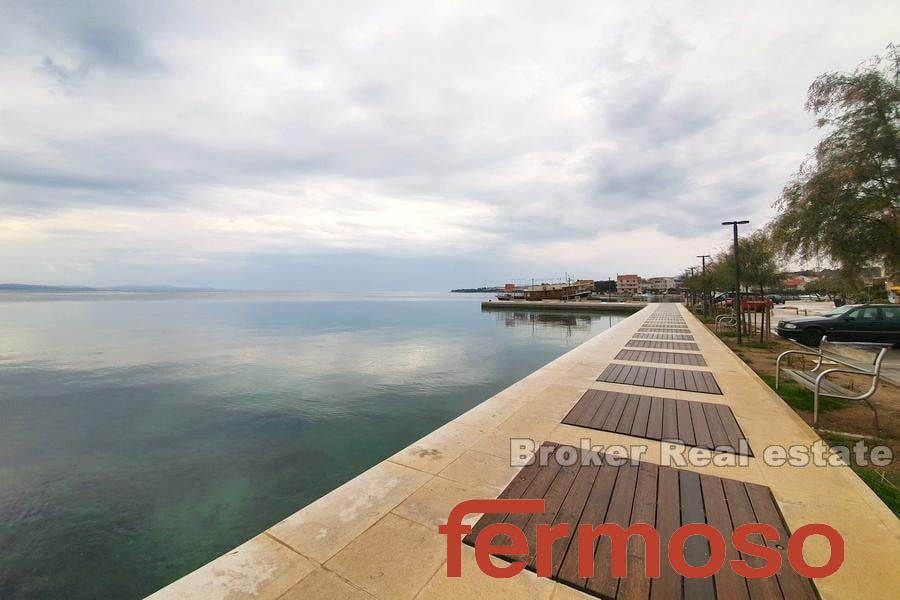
[(691, 291), (737, 278), (703, 258)]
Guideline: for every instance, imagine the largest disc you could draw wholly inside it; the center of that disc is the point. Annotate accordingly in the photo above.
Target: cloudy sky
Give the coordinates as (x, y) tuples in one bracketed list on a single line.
[(408, 146)]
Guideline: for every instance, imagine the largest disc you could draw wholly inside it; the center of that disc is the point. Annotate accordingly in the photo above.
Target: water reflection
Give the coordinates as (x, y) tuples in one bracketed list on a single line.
[(569, 323), (142, 437)]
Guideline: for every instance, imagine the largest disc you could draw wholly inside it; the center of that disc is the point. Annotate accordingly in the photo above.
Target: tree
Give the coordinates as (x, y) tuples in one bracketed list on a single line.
[(842, 205), (759, 267)]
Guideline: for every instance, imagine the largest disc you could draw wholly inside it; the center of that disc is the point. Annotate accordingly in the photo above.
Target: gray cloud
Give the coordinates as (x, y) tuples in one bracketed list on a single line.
[(182, 139)]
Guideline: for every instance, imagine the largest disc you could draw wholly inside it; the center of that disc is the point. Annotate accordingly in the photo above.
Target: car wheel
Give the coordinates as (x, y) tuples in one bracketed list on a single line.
[(811, 336)]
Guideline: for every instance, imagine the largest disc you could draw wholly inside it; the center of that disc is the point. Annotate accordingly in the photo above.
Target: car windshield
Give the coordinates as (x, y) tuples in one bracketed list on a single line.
[(841, 310)]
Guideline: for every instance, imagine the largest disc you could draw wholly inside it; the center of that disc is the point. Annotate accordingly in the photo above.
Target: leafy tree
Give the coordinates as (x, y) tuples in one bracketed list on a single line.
[(842, 205), (759, 266)]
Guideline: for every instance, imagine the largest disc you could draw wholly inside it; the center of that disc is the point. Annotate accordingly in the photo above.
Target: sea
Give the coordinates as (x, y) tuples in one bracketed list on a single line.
[(144, 434)]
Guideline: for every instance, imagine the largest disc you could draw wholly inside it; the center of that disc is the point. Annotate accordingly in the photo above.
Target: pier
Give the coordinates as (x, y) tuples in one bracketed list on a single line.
[(658, 375), (563, 305)]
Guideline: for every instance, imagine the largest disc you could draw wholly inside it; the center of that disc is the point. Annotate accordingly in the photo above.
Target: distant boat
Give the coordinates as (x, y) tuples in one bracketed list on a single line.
[(548, 291)]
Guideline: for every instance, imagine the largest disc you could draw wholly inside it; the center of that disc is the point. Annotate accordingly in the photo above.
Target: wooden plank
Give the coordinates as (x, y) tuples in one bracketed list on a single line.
[(585, 407), (599, 418), (634, 374), (613, 371), (660, 378), (742, 513), (615, 413), (649, 377), (655, 419), (595, 510), (732, 430), (792, 584), (716, 429), (670, 379), (603, 583), (608, 371), (670, 420), (570, 512), (685, 426), (624, 373), (627, 420), (696, 549), (641, 417), (553, 499), (668, 519), (536, 489), (702, 436), (711, 382), (679, 380), (635, 585), (728, 583), (699, 384)]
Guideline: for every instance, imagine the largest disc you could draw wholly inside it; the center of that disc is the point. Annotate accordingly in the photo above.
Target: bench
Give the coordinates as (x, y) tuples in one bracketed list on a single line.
[(726, 320), (854, 359)]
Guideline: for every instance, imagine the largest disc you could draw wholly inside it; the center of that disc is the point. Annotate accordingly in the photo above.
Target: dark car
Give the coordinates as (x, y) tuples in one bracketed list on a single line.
[(776, 298), (850, 323)]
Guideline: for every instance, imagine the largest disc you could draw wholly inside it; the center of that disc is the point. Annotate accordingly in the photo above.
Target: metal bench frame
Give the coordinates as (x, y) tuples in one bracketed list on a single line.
[(815, 379), (726, 320)]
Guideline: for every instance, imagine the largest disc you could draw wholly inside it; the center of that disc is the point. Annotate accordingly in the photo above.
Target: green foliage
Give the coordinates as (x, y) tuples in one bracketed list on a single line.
[(883, 484), (842, 205), (759, 265), (888, 493), (799, 397)]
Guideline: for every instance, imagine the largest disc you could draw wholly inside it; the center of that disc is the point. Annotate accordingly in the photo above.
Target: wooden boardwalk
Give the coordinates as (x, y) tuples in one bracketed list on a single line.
[(692, 423), (590, 493), (666, 358), (664, 336), (656, 377), (662, 345)]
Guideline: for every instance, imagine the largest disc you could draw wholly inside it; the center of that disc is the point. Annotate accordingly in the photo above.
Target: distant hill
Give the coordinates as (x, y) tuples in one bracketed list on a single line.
[(155, 289)]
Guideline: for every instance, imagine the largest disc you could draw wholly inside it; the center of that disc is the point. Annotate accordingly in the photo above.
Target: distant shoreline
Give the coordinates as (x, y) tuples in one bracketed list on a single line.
[(62, 289)]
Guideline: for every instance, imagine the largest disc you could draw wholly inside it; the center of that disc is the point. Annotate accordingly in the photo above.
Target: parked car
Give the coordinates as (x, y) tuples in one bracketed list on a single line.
[(850, 323), (723, 297), (776, 298), (749, 302)]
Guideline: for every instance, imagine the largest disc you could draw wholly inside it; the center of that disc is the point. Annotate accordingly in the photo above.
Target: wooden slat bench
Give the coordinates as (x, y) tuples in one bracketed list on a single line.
[(853, 359), (657, 377), (692, 423), (663, 497)]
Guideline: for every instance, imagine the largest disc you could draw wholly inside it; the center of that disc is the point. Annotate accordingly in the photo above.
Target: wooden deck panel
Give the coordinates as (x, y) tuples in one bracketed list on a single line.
[(691, 422), (680, 337), (665, 497), (665, 358), (680, 379)]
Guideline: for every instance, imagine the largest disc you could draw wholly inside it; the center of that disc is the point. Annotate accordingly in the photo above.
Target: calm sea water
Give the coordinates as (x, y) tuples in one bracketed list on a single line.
[(143, 435)]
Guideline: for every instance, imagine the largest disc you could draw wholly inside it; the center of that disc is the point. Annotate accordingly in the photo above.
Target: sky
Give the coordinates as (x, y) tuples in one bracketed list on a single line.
[(404, 145)]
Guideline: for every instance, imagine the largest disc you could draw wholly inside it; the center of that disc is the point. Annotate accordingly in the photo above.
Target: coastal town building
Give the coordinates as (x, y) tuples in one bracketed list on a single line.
[(628, 284), (659, 284), (798, 282)]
